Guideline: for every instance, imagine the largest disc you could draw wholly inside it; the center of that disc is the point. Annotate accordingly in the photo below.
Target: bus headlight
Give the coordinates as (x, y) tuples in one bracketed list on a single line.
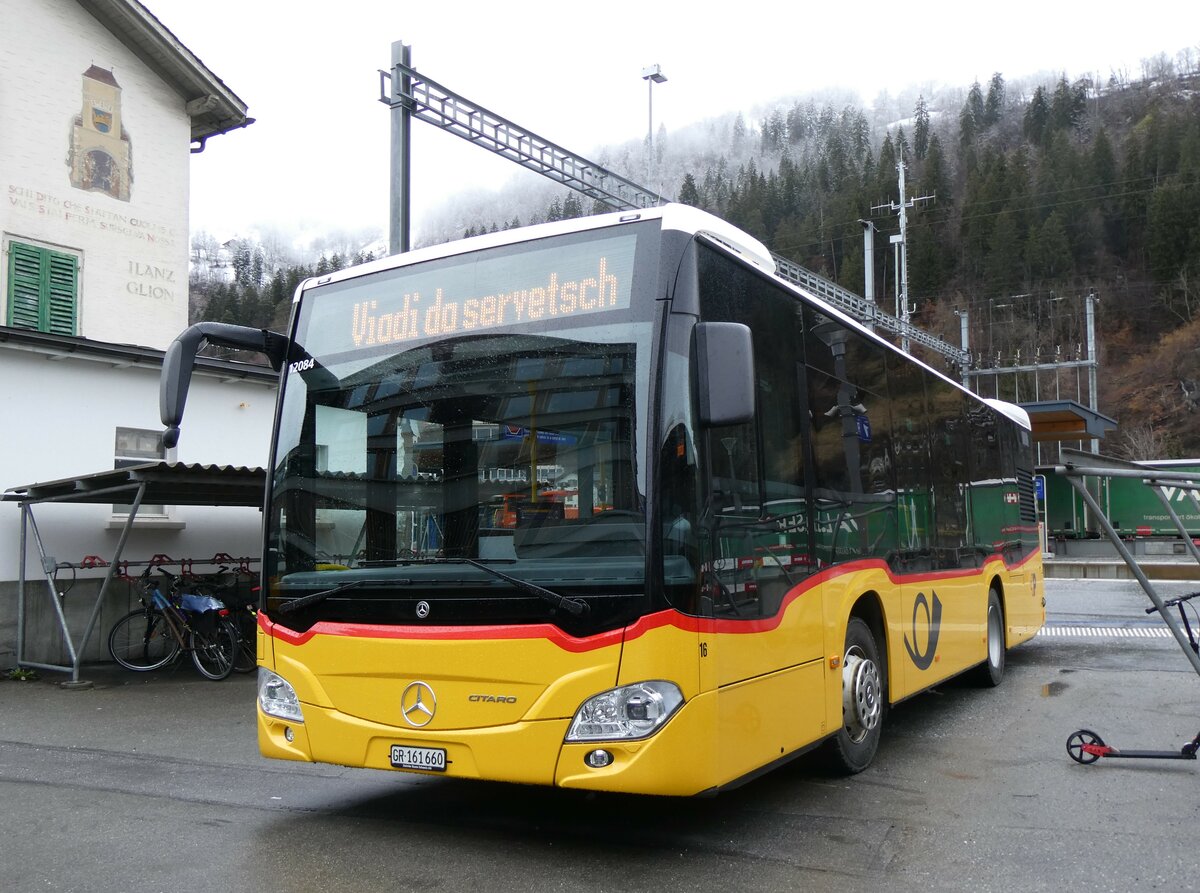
[(276, 696), (628, 712)]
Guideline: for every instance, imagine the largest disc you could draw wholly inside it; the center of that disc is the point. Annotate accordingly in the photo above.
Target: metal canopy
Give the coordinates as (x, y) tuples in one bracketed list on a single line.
[(1076, 466), (1057, 420), (165, 483)]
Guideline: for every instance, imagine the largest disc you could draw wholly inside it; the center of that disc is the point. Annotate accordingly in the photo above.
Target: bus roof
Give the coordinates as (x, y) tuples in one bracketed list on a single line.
[(1014, 412), (676, 217), (681, 218)]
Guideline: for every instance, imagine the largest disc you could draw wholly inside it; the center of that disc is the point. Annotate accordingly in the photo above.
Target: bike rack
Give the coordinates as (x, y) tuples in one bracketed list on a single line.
[(117, 569), (165, 482)]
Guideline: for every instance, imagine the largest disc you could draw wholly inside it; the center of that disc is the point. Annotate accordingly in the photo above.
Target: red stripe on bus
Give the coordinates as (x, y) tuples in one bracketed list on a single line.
[(544, 631), (711, 625)]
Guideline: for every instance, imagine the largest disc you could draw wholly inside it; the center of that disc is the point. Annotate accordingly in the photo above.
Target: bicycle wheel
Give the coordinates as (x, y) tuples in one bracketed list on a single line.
[(141, 641), (213, 650), (245, 659)]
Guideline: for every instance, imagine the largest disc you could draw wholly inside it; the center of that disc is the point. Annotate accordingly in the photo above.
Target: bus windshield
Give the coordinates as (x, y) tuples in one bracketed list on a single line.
[(411, 465)]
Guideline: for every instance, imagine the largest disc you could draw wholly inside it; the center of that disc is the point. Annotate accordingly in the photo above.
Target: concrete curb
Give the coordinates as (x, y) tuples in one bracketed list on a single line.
[(1106, 569)]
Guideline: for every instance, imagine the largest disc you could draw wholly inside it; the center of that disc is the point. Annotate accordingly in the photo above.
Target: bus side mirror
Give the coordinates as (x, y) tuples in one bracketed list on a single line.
[(173, 388), (180, 360), (725, 373)]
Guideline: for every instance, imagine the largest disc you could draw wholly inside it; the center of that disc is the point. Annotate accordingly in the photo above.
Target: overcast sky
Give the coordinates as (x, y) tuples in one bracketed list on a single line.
[(571, 73)]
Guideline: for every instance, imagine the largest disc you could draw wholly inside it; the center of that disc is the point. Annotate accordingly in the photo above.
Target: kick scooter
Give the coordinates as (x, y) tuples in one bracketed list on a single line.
[(1085, 746)]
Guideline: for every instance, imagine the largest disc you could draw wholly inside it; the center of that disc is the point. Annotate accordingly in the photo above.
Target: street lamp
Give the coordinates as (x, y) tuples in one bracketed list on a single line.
[(652, 74)]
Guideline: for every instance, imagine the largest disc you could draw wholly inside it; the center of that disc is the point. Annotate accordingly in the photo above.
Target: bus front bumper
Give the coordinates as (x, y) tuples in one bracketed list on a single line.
[(678, 760)]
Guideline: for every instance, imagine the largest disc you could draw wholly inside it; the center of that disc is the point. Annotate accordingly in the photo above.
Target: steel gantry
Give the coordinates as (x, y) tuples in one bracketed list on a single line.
[(429, 101), (408, 92)]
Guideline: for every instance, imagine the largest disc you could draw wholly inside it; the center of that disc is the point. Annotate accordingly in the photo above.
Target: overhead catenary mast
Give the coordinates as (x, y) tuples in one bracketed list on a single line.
[(903, 309)]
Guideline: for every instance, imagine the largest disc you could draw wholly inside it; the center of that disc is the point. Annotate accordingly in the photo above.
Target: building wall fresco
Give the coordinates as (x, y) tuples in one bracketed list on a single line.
[(74, 102)]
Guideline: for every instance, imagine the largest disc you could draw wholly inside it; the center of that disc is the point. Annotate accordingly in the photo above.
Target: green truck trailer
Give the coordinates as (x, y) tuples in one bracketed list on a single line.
[(1133, 508)]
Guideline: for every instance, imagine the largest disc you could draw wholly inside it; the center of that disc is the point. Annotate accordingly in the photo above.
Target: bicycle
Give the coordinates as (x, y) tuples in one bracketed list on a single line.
[(154, 635), (242, 614), (1085, 746), (245, 626)]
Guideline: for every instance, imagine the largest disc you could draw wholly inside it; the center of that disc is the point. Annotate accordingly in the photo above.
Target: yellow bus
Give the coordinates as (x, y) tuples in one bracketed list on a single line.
[(780, 525)]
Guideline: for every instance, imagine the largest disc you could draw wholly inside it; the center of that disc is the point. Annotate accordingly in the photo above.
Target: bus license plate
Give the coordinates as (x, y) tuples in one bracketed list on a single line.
[(432, 759)]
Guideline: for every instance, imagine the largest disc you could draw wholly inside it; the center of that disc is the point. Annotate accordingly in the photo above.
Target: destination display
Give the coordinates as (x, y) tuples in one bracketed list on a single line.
[(473, 296)]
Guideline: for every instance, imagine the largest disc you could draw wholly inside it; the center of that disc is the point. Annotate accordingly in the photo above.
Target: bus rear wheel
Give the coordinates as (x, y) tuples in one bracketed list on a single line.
[(853, 747), (991, 672)]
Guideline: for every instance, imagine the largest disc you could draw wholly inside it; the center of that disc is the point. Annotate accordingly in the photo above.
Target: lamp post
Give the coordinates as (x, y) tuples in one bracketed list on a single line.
[(652, 74)]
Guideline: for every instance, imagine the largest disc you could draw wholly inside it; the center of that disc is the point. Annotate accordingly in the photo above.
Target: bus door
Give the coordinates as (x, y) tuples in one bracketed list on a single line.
[(762, 643), (766, 645)]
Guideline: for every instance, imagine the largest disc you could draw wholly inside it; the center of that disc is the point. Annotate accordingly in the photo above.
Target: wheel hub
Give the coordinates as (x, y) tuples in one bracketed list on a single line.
[(862, 691)]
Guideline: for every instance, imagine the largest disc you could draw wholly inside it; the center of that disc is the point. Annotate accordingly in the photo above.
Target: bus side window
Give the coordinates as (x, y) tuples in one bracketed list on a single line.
[(948, 434), (913, 472), (991, 520), (854, 493)]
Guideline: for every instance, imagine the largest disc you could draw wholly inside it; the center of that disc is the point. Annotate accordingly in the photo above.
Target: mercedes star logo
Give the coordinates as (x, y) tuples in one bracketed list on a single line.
[(422, 610), (418, 704)]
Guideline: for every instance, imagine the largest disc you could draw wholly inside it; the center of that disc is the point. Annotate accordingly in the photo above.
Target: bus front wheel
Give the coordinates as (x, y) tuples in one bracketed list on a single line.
[(853, 747)]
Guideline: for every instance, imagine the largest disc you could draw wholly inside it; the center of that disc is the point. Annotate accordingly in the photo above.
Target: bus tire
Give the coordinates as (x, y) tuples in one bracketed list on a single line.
[(853, 747), (990, 673)]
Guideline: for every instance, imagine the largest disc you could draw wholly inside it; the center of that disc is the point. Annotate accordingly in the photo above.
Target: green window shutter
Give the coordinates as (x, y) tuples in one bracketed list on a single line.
[(24, 286), (43, 289), (63, 275)]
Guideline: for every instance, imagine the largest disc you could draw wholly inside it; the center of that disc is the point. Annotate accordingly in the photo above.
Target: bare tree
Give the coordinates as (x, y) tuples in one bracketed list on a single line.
[(1158, 68), (277, 250), (1144, 443), (203, 257), (204, 247), (1186, 60), (1180, 298), (1190, 388)]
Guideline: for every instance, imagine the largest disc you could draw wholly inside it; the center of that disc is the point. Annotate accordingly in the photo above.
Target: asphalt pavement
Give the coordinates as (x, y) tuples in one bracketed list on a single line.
[(153, 782)]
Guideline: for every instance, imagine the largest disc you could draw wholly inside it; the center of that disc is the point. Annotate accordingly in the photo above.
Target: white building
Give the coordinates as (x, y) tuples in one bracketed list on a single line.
[(103, 107)]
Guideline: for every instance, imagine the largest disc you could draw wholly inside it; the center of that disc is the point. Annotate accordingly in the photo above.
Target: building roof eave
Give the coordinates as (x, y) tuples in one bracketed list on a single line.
[(212, 107), (124, 355)]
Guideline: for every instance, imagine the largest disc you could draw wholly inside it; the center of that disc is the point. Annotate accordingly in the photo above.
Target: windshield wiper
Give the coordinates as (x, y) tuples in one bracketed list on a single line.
[(315, 597), (574, 606)]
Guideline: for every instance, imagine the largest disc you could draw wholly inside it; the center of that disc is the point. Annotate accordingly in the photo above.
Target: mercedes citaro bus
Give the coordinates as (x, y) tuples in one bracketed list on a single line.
[(606, 504)]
